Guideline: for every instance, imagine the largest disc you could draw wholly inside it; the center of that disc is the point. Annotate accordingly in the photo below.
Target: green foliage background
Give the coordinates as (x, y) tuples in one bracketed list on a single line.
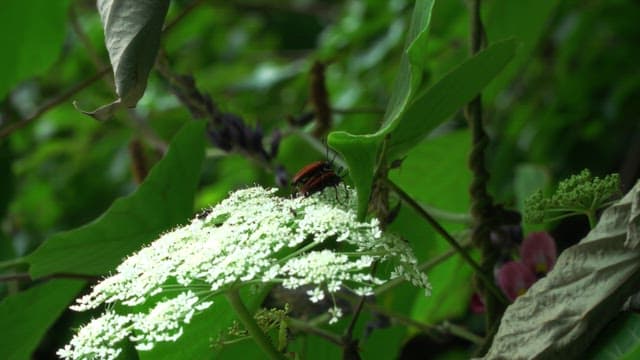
[(568, 100)]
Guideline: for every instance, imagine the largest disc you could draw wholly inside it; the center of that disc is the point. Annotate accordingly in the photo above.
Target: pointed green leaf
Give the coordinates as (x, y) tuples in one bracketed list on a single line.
[(412, 62), (360, 151), (433, 106), (164, 200), (563, 312), (132, 30), (27, 316)]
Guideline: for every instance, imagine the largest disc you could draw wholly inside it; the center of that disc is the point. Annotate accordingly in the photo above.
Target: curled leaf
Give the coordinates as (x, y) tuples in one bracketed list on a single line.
[(563, 312), (132, 30)]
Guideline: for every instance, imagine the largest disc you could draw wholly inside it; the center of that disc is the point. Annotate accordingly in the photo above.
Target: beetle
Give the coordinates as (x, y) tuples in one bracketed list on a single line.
[(315, 177), (310, 171)]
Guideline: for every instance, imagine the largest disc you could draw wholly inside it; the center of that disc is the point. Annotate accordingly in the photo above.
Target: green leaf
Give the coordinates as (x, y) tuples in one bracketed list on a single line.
[(436, 174), (132, 30), (620, 340), (360, 154), (413, 61), (360, 151), (433, 106), (526, 21), (26, 316), (164, 200), (31, 33), (587, 287), (200, 334)]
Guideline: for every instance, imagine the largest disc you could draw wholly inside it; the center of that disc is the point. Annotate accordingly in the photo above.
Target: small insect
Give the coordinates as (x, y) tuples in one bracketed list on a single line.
[(315, 177)]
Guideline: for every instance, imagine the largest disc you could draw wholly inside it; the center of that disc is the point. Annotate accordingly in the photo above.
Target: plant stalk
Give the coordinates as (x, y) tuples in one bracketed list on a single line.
[(252, 327)]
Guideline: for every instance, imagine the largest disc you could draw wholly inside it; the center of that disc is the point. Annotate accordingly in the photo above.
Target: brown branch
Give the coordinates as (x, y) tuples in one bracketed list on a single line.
[(54, 102), (6, 131)]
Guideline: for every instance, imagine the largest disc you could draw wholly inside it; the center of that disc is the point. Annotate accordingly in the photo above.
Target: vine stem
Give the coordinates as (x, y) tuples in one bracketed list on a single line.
[(252, 327), (483, 209)]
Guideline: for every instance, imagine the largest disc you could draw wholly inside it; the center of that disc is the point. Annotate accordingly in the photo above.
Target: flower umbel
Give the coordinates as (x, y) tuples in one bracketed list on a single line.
[(251, 237), (579, 194)]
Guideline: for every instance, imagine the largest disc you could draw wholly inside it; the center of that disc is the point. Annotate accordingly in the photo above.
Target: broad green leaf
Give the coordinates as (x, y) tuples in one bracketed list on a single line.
[(585, 289), (132, 30), (31, 34), (201, 333), (433, 106), (412, 62), (436, 174), (164, 200), (26, 316), (619, 340), (526, 21), (360, 154), (360, 151)]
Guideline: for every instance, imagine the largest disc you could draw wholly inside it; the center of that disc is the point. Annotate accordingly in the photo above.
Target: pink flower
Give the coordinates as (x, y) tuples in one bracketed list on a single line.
[(538, 252), (514, 278)]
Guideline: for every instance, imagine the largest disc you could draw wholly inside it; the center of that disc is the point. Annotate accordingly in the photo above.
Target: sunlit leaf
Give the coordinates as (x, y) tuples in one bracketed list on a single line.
[(436, 104)]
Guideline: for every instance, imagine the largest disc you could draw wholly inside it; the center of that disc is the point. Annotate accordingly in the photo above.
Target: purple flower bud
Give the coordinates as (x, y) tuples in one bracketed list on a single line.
[(538, 252), (514, 278)]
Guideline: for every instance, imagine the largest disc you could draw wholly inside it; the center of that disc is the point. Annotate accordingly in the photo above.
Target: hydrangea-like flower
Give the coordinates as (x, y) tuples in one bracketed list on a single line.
[(252, 236)]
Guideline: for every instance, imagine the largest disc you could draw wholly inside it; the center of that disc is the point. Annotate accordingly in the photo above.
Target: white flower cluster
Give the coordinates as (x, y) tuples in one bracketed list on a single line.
[(252, 236)]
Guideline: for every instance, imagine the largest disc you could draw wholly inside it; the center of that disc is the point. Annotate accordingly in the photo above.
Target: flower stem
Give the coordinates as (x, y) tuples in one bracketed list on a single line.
[(252, 327), (591, 215)]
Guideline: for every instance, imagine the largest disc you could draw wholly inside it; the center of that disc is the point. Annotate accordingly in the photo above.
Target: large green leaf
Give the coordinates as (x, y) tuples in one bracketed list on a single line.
[(26, 316), (436, 174), (198, 339), (412, 62), (165, 199), (563, 312), (620, 340), (436, 104), (31, 34), (132, 30)]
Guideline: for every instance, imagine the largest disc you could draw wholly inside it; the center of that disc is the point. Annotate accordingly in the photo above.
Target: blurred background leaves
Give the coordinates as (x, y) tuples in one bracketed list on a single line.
[(570, 100)]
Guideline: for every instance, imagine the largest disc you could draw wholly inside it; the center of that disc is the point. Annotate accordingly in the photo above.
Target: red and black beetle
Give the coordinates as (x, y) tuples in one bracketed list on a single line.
[(315, 177)]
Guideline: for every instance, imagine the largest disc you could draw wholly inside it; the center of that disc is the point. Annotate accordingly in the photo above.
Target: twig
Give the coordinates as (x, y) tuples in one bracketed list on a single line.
[(308, 328), (423, 267), (54, 102), (488, 283), (13, 262)]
